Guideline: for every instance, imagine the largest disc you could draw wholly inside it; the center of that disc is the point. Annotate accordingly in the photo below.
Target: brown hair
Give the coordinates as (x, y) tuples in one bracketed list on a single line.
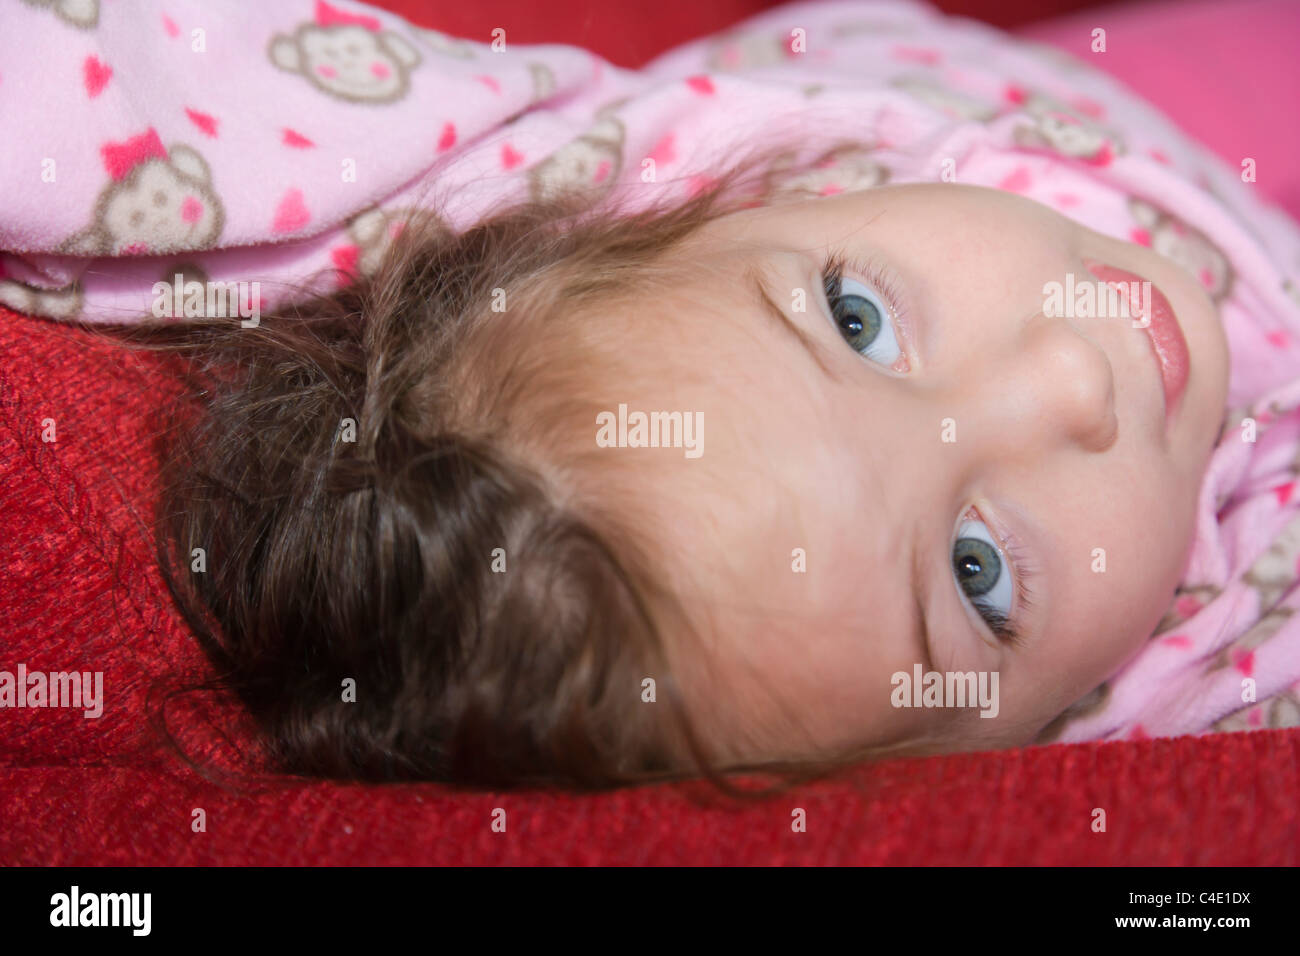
[(371, 560)]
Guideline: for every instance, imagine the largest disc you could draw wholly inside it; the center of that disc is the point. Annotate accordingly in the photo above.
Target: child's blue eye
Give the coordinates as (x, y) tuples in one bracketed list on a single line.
[(863, 319), (983, 575)]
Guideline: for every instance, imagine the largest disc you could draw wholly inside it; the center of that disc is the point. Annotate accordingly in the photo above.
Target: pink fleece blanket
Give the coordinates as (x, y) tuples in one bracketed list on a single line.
[(281, 144), (1224, 72)]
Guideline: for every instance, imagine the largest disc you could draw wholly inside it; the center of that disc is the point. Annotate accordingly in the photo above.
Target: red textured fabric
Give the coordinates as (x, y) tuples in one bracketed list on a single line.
[(78, 590)]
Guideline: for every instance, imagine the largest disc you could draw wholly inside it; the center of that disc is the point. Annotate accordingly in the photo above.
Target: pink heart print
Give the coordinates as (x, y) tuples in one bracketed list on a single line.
[(96, 75), (291, 215)]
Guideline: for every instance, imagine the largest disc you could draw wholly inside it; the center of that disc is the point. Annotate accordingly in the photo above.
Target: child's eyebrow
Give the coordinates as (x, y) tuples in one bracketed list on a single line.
[(756, 272)]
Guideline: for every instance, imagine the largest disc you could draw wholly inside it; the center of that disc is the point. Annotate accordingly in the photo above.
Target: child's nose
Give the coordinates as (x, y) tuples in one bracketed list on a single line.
[(1048, 386), (1071, 383)]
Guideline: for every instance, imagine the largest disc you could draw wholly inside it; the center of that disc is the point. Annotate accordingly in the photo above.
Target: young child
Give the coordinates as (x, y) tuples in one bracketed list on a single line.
[(853, 383)]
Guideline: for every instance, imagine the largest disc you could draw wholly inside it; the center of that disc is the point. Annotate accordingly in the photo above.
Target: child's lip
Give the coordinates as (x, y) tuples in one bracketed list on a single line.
[(1163, 332)]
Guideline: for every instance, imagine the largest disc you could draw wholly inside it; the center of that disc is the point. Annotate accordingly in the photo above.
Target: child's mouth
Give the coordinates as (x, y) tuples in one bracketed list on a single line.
[(1152, 310)]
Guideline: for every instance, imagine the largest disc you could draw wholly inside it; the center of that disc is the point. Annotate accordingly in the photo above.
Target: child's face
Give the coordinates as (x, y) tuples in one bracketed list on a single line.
[(1042, 443)]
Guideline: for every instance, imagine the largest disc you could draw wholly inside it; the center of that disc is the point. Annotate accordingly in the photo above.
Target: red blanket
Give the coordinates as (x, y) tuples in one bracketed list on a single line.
[(78, 590)]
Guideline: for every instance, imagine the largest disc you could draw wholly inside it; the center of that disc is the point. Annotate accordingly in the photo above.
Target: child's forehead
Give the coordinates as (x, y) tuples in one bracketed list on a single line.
[(786, 222), (733, 239), (761, 217)]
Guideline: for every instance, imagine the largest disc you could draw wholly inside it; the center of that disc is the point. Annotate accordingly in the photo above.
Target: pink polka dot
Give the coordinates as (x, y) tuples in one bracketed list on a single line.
[(204, 121), (916, 54), (95, 75), (291, 214), (1244, 662), (1103, 156), (1140, 236), (345, 263), (327, 71), (701, 84), (380, 69), (1180, 641), (296, 139), (448, 138), (1284, 492), (510, 157), (665, 150), (1017, 181)]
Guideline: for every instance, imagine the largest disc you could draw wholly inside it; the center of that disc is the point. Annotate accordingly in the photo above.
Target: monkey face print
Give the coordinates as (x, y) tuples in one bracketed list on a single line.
[(355, 62), (157, 201)]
